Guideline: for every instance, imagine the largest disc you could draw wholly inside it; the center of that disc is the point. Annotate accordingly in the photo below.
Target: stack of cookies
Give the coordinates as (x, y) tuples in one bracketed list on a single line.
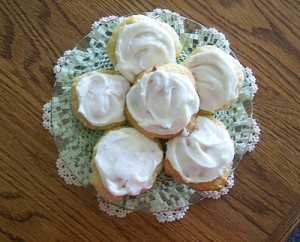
[(149, 102)]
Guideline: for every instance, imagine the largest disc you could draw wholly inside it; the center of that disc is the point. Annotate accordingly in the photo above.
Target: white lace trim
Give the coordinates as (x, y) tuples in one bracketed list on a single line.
[(254, 136), (101, 21), (65, 173), (221, 36), (161, 11), (112, 209), (171, 216), (60, 60), (250, 81), (47, 117)]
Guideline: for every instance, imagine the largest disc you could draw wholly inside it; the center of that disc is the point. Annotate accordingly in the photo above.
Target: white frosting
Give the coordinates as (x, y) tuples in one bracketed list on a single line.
[(163, 102), (101, 98), (126, 161), (204, 154), (216, 78), (141, 45)]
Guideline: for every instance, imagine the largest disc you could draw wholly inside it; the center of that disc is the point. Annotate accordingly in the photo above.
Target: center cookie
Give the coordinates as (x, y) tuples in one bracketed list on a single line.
[(163, 101)]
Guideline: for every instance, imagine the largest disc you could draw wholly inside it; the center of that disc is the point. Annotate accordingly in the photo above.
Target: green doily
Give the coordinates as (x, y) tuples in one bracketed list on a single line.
[(75, 142)]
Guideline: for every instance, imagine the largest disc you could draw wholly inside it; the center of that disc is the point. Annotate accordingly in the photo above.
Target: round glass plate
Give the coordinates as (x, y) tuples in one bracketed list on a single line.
[(75, 142)]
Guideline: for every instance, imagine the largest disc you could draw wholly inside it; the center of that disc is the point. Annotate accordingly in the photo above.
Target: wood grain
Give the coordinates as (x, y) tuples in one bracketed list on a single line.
[(36, 205)]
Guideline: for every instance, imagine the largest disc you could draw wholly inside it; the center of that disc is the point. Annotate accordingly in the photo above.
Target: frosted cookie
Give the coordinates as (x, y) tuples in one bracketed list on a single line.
[(140, 42), (98, 99), (218, 76), (203, 159), (163, 101), (125, 162)]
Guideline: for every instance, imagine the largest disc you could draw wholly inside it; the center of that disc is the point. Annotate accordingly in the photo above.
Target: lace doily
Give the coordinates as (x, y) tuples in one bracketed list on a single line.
[(90, 54)]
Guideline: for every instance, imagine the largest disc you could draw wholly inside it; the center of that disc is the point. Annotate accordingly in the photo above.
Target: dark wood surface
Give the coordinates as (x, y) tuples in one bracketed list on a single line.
[(35, 203)]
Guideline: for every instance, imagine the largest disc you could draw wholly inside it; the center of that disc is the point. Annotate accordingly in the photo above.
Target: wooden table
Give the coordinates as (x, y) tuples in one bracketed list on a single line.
[(35, 203)]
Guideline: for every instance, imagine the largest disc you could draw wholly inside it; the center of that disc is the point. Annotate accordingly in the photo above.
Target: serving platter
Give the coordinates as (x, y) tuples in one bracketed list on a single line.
[(75, 142)]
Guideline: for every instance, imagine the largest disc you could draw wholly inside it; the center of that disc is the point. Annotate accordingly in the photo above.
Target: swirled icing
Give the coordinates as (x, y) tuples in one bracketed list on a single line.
[(216, 77), (141, 45), (101, 98), (204, 154), (126, 161), (162, 102)]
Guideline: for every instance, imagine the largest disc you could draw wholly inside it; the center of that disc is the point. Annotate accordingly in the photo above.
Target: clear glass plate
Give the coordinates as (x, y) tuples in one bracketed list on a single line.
[(75, 142)]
